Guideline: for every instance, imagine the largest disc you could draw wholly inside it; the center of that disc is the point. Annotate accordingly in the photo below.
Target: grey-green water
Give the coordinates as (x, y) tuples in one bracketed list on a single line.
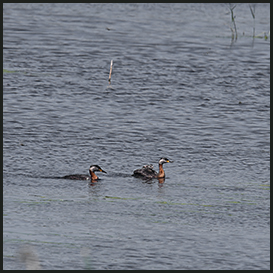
[(181, 88)]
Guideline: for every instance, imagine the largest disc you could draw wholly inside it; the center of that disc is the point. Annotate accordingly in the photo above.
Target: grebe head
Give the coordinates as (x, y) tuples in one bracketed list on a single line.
[(95, 168), (164, 160)]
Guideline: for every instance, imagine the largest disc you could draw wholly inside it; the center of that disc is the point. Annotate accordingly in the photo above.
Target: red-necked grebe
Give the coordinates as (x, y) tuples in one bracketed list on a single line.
[(147, 171), (92, 170)]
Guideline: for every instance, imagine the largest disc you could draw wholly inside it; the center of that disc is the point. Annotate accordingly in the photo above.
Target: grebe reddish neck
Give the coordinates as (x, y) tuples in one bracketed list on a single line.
[(93, 169)]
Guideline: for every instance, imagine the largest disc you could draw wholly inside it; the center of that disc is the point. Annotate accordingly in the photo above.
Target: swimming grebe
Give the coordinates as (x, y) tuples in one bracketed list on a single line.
[(147, 171), (92, 170)]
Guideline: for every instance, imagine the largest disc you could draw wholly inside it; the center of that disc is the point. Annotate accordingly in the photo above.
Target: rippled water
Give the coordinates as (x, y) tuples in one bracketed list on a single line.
[(181, 88)]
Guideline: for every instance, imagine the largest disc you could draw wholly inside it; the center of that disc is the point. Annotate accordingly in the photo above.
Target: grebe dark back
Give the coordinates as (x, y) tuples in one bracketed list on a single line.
[(92, 170), (147, 171)]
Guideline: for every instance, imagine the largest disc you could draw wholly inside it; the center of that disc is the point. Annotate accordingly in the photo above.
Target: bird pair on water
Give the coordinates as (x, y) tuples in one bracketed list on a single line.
[(146, 172)]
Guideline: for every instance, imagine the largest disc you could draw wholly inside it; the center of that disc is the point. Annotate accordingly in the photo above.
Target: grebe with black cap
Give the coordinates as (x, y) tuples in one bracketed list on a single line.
[(147, 171), (92, 170)]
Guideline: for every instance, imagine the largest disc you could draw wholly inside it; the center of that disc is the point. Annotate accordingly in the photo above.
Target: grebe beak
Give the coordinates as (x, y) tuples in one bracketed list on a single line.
[(101, 170), (170, 161)]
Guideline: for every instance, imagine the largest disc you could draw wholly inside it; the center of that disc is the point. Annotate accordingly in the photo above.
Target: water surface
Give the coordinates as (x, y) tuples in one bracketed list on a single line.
[(181, 88)]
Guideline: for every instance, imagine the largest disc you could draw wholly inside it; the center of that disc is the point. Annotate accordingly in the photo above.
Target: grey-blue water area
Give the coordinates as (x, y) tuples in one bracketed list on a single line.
[(181, 87)]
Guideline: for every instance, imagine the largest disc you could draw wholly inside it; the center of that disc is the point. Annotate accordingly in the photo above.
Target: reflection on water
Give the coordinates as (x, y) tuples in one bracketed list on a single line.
[(180, 88), (29, 257)]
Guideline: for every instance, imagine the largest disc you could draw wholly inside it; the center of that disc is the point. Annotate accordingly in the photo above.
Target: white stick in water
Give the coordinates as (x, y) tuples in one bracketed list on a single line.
[(111, 65)]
